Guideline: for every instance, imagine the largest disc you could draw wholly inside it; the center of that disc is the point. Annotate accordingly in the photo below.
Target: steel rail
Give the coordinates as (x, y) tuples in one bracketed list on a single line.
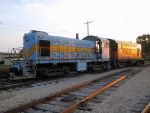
[(55, 95), (146, 109), (42, 100), (92, 95)]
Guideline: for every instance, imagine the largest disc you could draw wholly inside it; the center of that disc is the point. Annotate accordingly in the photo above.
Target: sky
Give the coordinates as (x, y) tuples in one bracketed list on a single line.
[(117, 19)]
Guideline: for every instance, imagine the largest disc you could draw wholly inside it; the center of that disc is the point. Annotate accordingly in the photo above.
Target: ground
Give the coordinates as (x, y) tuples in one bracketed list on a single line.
[(128, 97), (123, 100)]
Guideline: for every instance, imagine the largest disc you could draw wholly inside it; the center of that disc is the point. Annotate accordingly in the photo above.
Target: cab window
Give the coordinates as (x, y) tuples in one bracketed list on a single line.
[(44, 46)]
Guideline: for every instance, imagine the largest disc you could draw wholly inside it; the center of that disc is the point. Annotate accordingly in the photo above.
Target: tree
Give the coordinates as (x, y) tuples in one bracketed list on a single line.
[(144, 40)]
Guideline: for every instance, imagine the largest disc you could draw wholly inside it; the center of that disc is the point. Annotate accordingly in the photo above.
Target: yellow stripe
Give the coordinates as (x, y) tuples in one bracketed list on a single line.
[(31, 50), (59, 48), (70, 49)]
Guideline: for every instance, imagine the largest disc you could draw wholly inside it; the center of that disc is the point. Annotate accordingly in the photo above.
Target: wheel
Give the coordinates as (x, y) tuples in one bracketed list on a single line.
[(107, 66), (91, 68), (65, 70), (44, 72)]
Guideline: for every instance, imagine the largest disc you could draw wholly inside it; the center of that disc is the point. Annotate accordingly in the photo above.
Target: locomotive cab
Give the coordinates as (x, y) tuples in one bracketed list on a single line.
[(102, 50), (98, 46)]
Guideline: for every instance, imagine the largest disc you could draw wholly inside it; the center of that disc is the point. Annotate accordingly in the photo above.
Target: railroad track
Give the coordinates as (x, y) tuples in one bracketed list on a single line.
[(76, 97), (6, 84), (146, 109), (143, 106)]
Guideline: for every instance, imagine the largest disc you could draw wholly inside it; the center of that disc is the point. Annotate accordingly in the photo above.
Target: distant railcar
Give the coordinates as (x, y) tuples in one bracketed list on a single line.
[(118, 53), (129, 53), (45, 55)]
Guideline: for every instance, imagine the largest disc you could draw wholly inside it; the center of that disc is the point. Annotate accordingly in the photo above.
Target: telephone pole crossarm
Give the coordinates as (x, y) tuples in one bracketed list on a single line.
[(88, 26)]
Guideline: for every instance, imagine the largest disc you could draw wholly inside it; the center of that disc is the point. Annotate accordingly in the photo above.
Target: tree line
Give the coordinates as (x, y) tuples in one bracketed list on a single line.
[(144, 40)]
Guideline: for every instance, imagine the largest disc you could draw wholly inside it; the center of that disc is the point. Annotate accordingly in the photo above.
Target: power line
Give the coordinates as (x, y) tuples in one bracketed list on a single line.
[(26, 29)]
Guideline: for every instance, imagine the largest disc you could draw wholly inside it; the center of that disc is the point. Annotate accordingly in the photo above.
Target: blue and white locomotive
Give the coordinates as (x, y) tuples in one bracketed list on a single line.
[(45, 55)]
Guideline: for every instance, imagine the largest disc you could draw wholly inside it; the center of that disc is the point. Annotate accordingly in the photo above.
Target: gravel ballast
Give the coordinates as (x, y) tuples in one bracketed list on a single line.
[(128, 96), (13, 98)]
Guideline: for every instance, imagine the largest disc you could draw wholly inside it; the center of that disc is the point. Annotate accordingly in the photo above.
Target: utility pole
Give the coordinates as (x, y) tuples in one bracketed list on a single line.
[(88, 27)]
